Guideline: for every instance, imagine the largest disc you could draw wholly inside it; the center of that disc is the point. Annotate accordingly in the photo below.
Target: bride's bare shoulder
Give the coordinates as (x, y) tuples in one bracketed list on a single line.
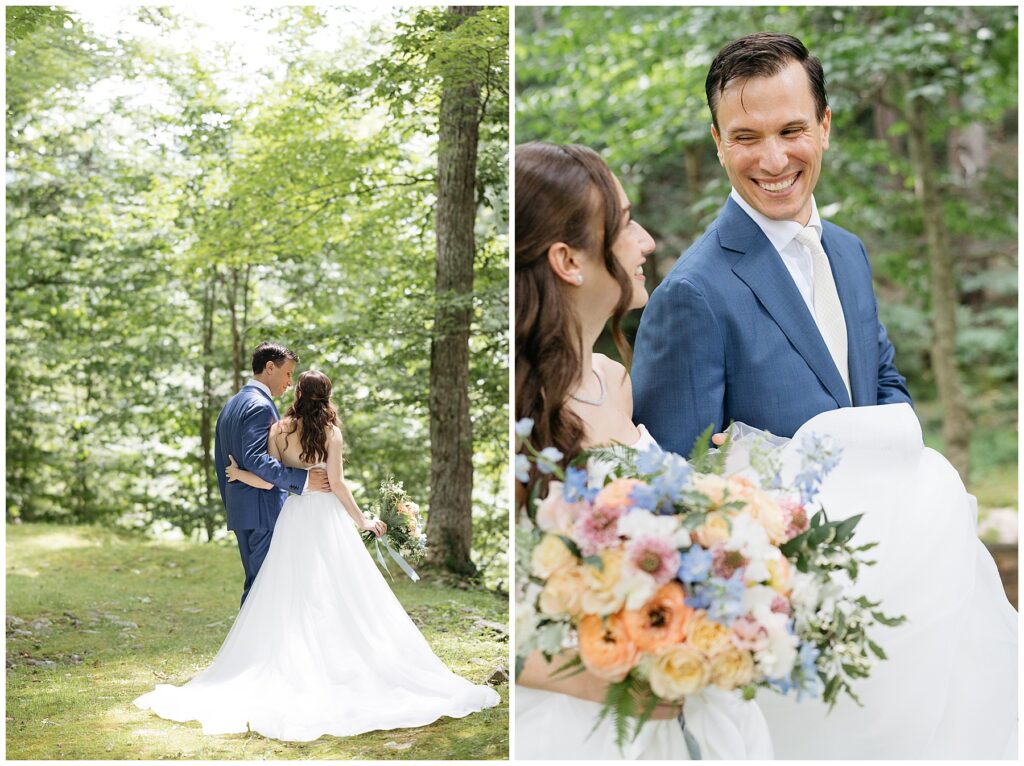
[(615, 375)]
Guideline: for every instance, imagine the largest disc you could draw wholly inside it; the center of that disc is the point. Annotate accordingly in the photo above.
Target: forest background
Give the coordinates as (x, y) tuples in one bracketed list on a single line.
[(922, 166), (180, 189)]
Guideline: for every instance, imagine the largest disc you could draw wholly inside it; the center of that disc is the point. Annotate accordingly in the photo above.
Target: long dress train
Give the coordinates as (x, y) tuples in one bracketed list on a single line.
[(321, 646)]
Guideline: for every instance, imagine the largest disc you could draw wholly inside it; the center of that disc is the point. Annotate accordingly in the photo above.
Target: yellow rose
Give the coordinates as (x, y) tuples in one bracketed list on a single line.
[(715, 488), (563, 593), (677, 671), (602, 596), (706, 635), (713, 531), (731, 668), (781, 572), (551, 555)]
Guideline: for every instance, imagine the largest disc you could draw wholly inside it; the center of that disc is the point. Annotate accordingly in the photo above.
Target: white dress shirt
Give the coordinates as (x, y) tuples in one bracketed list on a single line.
[(782, 235)]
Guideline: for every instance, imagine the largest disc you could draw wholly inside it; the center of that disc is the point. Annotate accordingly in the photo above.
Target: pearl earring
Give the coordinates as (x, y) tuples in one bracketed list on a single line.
[(579, 279)]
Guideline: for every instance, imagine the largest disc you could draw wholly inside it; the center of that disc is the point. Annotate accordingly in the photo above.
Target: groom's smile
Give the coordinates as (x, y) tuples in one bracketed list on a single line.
[(771, 142)]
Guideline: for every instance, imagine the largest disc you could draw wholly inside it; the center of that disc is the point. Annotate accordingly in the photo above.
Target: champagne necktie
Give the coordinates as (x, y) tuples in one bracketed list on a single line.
[(828, 311)]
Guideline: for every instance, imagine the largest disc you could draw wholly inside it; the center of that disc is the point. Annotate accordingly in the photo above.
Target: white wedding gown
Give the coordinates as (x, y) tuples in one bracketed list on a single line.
[(949, 686), (556, 726), (321, 646)]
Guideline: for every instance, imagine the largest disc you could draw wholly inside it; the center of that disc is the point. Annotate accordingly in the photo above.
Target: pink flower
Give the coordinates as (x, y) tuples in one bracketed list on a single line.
[(725, 563), (748, 633), (554, 514), (795, 517), (597, 528), (780, 605), (655, 556)]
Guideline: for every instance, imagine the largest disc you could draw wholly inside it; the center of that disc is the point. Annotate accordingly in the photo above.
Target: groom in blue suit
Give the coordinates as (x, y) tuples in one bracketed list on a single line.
[(242, 429), (770, 318)]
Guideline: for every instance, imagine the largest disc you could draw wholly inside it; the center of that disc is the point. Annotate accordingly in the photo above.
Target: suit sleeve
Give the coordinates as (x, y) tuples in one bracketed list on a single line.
[(892, 387), (255, 428), (679, 367)]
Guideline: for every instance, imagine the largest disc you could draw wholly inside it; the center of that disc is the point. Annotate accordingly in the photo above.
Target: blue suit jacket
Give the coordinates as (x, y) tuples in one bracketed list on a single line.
[(242, 429), (727, 336)]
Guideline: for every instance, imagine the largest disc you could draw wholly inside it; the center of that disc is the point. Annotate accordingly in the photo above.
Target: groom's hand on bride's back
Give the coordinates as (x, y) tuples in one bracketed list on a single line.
[(318, 481)]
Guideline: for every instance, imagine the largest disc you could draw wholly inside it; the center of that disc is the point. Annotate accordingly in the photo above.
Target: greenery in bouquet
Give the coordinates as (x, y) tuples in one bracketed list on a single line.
[(668, 575), (402, 516)]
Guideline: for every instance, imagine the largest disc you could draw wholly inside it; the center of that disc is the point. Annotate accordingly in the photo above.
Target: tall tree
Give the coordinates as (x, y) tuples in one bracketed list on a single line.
[(450, 531)]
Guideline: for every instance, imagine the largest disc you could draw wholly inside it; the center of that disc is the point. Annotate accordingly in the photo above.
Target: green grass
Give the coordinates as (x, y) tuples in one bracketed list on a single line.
[(92, 584)]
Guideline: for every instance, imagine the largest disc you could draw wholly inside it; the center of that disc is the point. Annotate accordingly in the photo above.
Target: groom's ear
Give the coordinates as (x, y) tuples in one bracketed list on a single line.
[(565, 262), (718, 144)]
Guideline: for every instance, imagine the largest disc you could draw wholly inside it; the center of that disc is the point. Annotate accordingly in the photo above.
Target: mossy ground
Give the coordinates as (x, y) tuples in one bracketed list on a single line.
[(117, 613)]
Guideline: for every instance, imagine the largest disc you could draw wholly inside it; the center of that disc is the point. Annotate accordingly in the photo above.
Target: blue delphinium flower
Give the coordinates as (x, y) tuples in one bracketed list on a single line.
[(522, 468), (810, 684), (782, 685), (575, 487), (671, 482), (649, 460), (422, 542), (644, 496), (548, 459), (700, 598), (727, 597), (695, 565)]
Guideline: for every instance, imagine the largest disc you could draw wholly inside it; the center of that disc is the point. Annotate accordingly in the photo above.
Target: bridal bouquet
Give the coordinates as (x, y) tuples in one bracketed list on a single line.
[(404, 538), (667, 575)]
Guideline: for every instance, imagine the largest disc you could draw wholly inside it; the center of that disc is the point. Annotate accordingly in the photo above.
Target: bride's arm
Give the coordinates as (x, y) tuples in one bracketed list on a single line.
[(336, 476), (246, 477), (582, 685)]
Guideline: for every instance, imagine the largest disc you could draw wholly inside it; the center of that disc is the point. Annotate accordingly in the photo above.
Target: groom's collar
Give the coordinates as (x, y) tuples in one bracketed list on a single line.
[(261, 386), (779, 233)]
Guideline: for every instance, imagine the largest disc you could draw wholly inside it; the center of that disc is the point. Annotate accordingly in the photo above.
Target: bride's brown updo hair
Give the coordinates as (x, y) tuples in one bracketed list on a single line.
[(564, 193), (312, 409)]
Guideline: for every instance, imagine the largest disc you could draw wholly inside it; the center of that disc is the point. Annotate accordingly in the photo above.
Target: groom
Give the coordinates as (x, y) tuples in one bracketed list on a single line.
[(770, 318), (242, 429)]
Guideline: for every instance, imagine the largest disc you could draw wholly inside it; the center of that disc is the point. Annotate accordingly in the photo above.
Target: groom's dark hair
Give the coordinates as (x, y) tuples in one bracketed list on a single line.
[(271, 352), (762, 54)]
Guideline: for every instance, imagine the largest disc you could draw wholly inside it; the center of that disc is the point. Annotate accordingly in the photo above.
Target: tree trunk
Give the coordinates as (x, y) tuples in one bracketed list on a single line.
[(955, 426), (450, 531), (206, 409)]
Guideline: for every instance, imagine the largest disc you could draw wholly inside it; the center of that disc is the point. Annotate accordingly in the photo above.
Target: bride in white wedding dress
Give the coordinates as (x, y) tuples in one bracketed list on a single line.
[(579, 259), (321, 644)]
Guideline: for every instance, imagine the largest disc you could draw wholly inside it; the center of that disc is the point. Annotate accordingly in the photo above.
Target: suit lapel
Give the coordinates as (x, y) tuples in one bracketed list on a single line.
[(761, 268), (845, 287)]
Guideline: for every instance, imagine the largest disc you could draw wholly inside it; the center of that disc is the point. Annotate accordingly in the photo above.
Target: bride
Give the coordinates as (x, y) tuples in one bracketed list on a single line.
[(579, 259), (949, 686), (321, 644)]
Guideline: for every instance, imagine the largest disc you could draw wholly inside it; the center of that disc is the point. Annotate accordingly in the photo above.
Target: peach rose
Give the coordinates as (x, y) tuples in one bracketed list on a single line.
[(677, 671), (714, 530), (731, 668), (550, 556), (769, 515), (661, 621), (602, 595), (563, 593), (616, 494), (714, 487), (706, 635), (605, 647)]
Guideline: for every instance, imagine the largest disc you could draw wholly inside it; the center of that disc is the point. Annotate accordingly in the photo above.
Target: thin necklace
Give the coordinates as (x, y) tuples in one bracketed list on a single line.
[(601, 397)]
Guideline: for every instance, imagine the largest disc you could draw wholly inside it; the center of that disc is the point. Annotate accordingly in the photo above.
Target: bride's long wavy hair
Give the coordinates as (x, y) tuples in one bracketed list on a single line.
[(564, 193), (312, 409)]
